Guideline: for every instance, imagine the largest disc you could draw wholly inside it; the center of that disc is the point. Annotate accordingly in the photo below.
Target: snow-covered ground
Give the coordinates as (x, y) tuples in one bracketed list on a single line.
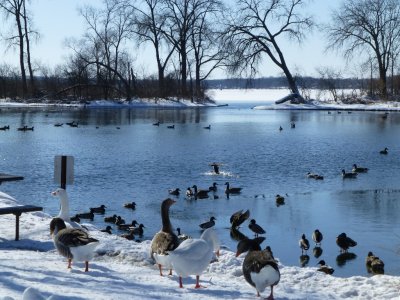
[(122, 269)]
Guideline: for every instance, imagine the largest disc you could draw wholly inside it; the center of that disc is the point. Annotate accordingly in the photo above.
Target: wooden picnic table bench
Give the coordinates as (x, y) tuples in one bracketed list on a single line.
[(17, 211), (8, 177)]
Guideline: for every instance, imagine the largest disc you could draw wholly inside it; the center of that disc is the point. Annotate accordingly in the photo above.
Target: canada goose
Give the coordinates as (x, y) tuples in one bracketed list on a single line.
[(213, 188), (182, 236), (201, 194), (357, 169), (232, 190), (348, 175), (260, 269), (384, 151)]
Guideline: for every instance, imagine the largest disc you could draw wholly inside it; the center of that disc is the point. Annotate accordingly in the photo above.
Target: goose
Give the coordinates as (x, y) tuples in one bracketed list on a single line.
[(100, 210), (127, 226), (238, 218), (171, 126), (164, 240), (344, 242), (280, 128), (87, 215), (384, 151), (257, 229), (317, 237), (348, 175), (182, 236), (201, 194), (232, 190), (174, 192), (357, 169), (304, 244), (374, 264), (207, 127), (280, 200), (193, 256), (208, 224), (72, 243), (110, 219), (213, 188), (64, 208), (260, 269), (325, 268), (215, 167), (131, 205), (107, 229)]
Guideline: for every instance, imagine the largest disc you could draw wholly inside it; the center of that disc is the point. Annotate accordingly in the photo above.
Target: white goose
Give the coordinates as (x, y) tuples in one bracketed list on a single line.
[(72, 243), (193, 256), (64, 207)]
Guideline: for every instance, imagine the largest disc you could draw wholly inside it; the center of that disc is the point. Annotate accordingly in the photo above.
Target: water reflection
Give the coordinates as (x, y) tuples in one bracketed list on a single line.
[(317, 252), (304, 260), (343, 258)]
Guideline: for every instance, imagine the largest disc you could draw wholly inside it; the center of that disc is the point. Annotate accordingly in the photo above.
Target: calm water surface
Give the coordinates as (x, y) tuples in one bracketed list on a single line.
[(140, 162)]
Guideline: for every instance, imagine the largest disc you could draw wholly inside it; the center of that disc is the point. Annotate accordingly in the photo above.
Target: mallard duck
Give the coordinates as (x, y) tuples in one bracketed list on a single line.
[(348, 175), (232, 190), (107, 229), (280, 200), (259, 266), (75, 219), (87, 215), (111, 219), (119, 221), (131, 205), (193, 256), (384, 151), (208, 224), (99, 210), (165, 240), (238, 218), (325, 268), (374, 264), (72, 243), (138, 230), (201, 194), (357, 169), (317, 237), (125, 226), (257, 229), (344, 242), (174, 192), (304, 244)]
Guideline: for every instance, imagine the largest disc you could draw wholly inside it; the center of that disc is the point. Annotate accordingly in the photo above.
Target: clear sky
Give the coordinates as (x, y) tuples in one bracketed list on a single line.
[(57, 20)]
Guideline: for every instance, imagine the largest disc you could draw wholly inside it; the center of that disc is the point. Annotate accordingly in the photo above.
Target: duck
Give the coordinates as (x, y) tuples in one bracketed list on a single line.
[(131, 205), (325, 268), (232, 190), (201, 194), (348, 175), (182, 236), (374, 264), (156, 123), (384, 151), (280, 200), (100, 210), (257, 229), (315, 176), (75, 219), (260, 269), (125, 226), (238, 218), (304, 244), (72, 243), (213, 188), (280, 128), (215, 168), (164, 240), (357, 169), (193, 256), (110, 219), (344, 242), (86, 215), (107, 229), (317, 237), (171, 126), (207, 127), (129, 236), (174, 192), (138, 230), (292, 125), (119, 221), (58, 124), (189, 192), (208, 224)]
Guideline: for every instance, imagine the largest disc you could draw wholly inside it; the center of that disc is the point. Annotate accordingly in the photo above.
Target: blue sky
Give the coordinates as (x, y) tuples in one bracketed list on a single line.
[(59, 19)]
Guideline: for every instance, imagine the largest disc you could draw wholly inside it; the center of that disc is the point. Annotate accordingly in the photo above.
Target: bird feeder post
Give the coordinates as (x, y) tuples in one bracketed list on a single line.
[(63, 170), (63, 183)]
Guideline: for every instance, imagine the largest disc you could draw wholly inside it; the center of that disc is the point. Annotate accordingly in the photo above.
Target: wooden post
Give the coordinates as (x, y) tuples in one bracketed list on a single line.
[(63, 172)]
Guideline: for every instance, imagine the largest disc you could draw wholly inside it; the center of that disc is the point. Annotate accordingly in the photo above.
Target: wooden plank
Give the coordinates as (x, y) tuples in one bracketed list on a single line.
[(9, 177), (19, 209)]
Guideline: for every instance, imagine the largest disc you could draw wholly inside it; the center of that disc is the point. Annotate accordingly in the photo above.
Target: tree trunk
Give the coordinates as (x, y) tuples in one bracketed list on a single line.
[(28, 51), (21, 54), (183, 68)]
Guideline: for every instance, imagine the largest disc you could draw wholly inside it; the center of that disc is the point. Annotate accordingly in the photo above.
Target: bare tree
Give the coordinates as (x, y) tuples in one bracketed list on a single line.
[(254, 29), (149, 27), (367, 26), (329, 79)]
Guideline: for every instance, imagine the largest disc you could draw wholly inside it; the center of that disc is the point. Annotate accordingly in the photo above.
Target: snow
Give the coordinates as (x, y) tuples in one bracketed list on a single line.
[(122, 269)]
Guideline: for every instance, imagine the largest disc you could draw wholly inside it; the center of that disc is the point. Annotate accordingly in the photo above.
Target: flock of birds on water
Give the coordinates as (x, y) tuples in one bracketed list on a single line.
[(191, 256)]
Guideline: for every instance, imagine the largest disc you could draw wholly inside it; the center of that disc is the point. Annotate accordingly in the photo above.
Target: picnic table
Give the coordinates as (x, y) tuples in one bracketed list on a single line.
[(9, 177), (17, 211)]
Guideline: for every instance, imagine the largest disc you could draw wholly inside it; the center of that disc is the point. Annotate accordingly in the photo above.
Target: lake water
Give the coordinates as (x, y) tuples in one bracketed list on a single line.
[(140, 162)]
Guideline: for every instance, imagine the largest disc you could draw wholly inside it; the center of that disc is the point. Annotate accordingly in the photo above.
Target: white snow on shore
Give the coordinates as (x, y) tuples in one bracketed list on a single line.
[(122, 269)]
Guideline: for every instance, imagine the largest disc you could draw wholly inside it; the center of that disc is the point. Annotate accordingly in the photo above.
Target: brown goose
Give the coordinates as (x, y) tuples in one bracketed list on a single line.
[(260, 269), (164, 240), (72, 243)]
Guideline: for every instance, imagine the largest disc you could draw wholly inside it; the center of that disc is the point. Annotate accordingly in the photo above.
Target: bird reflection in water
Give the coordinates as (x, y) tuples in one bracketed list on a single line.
[(237, 235), (304, 259), (317, 252), (342, 258)]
